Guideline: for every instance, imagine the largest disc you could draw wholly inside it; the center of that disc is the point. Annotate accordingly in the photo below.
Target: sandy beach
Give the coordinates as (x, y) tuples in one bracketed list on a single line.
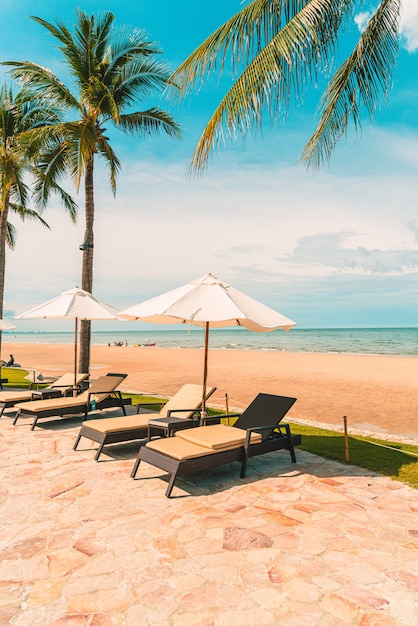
[(376, 393)]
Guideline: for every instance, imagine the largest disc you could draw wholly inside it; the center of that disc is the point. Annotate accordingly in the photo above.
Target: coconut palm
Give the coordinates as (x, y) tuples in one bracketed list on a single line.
[(275, 48), (21, 119), (111, 70)]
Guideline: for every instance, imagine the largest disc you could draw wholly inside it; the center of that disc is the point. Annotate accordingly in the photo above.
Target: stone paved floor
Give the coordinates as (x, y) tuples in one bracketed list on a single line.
[(82, 544)]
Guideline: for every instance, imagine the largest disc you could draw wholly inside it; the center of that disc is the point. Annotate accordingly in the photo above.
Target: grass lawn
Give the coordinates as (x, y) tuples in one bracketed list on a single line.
[(396, 460), (16, 378)]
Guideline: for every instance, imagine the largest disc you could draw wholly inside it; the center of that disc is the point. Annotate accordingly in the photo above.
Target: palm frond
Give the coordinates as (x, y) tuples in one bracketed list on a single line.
[(36, 114), (111, 160), (21, 127), (44, 186), (103, 29), (11, 236), (127, 45), (244, 36), (88, 46), (259, 20), (51, 166), (28, 214), (357, 83), (280, 70), (93, 34), (59, 31), (138, 79), (150, 122), (51, 160), (43, 84), (66, 200), (97, 98), (19, 191)]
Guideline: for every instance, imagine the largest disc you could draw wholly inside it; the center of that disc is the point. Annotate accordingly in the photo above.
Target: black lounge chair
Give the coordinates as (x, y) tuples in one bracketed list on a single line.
[(256, 431), (101, 394), (174, 415)]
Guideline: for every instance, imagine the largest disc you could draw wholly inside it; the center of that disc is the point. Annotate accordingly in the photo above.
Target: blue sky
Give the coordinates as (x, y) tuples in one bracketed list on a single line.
[(334, 249)]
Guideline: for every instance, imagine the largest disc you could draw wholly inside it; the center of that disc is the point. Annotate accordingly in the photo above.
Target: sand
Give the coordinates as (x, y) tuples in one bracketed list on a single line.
[(377, 393)]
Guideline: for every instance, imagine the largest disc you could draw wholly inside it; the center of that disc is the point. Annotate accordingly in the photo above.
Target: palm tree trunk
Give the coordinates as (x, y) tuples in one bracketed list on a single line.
[(3, 235), (87, 265)]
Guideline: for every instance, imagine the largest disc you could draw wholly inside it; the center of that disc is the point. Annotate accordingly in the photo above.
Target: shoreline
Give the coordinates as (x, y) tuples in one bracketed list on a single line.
[(221, 349), (377, 393), (364, 341)]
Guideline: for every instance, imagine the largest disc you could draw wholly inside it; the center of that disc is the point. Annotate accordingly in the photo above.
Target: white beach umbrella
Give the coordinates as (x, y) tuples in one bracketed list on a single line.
[(208, 302), (6, 325), (74, 304)]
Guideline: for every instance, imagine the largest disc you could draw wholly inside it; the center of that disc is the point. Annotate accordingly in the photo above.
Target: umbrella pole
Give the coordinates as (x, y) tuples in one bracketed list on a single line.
[(75, 356), (205, 369)]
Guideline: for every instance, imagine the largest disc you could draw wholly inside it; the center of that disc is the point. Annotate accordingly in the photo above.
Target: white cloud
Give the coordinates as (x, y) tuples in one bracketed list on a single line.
[(331, 253), (361, 19), (409, 24)]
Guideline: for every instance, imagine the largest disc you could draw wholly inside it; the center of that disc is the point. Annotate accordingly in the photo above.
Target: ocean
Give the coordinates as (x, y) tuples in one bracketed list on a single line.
[(378, 341)]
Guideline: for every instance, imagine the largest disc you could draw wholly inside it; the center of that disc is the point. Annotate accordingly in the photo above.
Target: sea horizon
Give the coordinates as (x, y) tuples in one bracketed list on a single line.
[(402, 341)]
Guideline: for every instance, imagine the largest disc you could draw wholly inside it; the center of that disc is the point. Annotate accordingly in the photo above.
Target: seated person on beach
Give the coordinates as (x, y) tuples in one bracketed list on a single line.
[(10, 362)]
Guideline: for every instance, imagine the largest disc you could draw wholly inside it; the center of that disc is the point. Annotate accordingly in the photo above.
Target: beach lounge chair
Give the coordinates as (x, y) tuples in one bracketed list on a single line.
[(35, 378), (58, 388), (256, 431), (101, 394), (173, 415)]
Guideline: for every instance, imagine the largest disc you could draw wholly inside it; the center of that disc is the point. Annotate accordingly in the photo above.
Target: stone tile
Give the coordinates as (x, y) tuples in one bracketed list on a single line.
[(268, 597), (250, 617), (45, 591), (193, 619), (243, 539), (63, 562), (220, 596)]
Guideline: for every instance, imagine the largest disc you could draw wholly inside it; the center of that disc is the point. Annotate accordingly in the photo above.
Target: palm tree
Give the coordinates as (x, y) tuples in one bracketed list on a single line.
[(275, 48), (111, 70), (21, 119)]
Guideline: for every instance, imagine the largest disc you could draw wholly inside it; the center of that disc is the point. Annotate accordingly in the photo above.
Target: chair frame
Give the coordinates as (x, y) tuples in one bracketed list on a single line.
[(142, 432), (275, 437), (120, 436), (51, 391), (114, 399)]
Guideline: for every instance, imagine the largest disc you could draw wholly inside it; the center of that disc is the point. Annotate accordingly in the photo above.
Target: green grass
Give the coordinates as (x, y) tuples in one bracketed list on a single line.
[(397, 460), (16, 378)]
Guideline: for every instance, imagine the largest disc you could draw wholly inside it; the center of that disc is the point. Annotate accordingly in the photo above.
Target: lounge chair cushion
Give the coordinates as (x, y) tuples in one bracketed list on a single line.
[(118, 424), (189, 396), (66, 380), (182, 449), (217, 437), (104, 385), (15, 396), (50, 404), (179, 449)]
